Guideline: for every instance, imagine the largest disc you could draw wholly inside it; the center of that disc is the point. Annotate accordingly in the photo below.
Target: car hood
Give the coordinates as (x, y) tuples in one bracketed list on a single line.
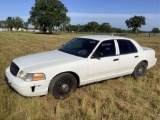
[(55, 57)]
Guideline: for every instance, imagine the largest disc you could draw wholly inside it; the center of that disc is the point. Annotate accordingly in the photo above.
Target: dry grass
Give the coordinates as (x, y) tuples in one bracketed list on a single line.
[(121, 98)]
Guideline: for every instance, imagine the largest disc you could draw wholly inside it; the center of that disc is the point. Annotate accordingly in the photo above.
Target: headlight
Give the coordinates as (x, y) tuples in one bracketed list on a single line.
[(31, 76), (22, 75)]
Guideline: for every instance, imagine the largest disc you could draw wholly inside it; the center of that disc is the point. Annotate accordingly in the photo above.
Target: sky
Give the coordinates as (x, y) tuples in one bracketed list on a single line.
[(114, 12)]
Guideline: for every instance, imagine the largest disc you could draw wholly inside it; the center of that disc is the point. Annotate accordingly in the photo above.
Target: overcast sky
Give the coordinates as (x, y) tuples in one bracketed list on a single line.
[(114, 12)]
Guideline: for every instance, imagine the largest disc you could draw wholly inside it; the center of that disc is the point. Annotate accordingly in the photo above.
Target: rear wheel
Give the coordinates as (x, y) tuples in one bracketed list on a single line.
[(140, 70), (62, 85)]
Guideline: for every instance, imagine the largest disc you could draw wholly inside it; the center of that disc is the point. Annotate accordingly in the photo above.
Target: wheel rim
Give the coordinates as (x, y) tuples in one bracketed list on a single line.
[(140, 70), (65, 86)]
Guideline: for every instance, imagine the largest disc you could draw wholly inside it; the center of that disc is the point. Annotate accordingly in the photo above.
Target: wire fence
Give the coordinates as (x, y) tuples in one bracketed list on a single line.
[(120, 34)]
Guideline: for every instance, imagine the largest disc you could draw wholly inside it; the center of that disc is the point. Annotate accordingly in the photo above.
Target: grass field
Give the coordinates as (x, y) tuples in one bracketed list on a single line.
[(120, 98)]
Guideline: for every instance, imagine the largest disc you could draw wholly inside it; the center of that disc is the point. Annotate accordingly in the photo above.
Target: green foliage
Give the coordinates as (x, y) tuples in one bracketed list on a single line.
[(72, 28), (65, 24), (105, 27), (14, 22), (77, 28), (92, 26), (135, 22), (47, 14), (18, 22), (10, 23), (3, 24), (25, 25), (155, 30), (118, 30), (95, 27)]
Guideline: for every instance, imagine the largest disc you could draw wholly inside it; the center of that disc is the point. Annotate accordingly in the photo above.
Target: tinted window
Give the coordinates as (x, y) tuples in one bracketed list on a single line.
[(133, 49), (123, 46), (107, 48), (126, 47)]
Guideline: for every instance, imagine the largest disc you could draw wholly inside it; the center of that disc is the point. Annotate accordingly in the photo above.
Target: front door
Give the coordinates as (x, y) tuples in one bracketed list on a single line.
[(104, 62)]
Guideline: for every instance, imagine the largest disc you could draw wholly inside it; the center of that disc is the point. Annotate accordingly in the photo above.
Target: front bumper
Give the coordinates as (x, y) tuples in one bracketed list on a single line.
[(29, 89)]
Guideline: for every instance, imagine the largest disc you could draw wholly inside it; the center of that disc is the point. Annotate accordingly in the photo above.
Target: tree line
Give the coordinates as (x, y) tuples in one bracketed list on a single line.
[(13, 22), (93, 27), (47, 15)]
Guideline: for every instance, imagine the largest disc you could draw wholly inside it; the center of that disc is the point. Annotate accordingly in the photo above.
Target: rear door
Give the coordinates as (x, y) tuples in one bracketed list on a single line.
[(128, 56)]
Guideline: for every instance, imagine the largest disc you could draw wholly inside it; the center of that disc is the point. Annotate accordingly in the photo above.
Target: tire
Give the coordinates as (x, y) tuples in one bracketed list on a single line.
[(140, 70), (62, 85)]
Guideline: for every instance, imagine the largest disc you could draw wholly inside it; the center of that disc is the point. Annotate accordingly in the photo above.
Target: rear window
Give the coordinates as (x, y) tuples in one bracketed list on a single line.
[(126, 47), (132, 47)]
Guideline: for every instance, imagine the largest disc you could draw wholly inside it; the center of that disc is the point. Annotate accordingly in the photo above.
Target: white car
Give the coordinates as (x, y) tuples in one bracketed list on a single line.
[(83, 60)]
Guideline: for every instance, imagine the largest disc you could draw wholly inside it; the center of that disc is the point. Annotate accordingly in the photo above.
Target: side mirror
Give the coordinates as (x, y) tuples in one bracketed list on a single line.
[(97, 55)]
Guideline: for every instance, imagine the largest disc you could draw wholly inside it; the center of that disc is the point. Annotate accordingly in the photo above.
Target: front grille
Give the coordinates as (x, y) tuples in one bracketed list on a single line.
[(14, 69)]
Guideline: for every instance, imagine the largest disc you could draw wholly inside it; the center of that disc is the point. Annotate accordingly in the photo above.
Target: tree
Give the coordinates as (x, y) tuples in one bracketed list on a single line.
[(48, 14), (117, 30), (10, 23), (155, 30), (82, 28), (65, 24), (73, 28), (135, 22), (18, 22), (105, 27), (26, 25), (3, 24), (14, 22), (93, 26)]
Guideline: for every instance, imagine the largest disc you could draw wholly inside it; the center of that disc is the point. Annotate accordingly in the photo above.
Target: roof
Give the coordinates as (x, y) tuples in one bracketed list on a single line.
[(102, 37)]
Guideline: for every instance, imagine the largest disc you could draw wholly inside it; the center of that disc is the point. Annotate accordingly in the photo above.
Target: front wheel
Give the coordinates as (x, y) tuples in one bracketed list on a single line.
[(140, 70), (61, 86)]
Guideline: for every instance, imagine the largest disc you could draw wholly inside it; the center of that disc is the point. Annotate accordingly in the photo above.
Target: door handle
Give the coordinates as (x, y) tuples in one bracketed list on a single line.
[(136, 56), (115, 59)]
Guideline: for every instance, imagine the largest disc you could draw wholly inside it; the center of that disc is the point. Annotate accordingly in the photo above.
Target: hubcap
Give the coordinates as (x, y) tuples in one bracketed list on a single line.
[(140, 70), (64, 88)]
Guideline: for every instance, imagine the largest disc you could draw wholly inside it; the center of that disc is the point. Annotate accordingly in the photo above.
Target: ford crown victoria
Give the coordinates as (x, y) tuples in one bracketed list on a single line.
[(81, 61)]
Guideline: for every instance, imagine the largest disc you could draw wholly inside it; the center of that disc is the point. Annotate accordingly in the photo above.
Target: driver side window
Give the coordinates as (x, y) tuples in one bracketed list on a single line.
[(107, 48)]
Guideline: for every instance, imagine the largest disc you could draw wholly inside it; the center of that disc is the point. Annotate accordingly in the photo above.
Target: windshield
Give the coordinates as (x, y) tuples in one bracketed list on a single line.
[(80, 47)]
